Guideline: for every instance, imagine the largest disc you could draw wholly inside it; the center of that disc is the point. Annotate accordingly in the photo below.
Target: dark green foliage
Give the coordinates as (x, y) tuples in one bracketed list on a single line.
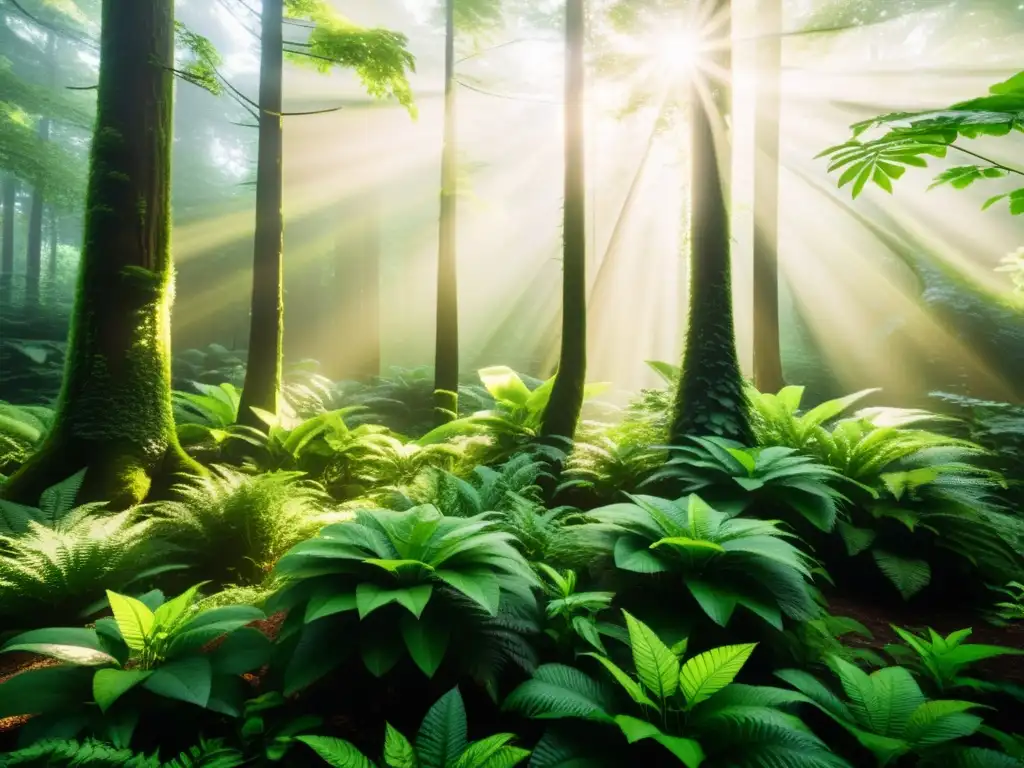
[(146, 649), (411, 582), (723, 562), (692, 709)]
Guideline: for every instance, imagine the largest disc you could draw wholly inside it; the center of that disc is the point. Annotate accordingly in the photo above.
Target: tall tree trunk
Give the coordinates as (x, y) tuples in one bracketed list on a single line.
[(10, 204), (34, 250), (710, 398), (51, 265), (446, 350), (768, 376), (114, 415), (266, 327), (563, 410)]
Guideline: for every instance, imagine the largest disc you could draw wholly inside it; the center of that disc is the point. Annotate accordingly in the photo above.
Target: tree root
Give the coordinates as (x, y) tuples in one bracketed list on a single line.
[(121, 476)]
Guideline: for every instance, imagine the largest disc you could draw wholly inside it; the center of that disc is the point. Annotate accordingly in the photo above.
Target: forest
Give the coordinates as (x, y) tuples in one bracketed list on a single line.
[(492, 383)]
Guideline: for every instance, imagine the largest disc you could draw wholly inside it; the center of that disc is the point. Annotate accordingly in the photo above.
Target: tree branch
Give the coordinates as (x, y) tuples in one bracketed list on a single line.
[(62, 31), (508, 96)]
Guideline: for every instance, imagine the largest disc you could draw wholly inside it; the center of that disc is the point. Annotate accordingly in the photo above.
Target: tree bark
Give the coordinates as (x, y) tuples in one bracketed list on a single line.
[(768, 374), (34, 250), (114, 415), (51, 266), (446, 350), (710, 398), (563, 410), (266, 326), (10, 206)]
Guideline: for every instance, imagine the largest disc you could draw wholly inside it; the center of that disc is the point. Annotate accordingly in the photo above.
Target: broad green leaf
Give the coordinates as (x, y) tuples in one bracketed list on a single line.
[(380, 652), (504, 384), (489, 752), (188, 679), (75, 654), (427, 640), (558, 691), (442, 735), (693, 545), (633, 554), (45, 689), (688, 751), (398, 752), (171, 612), (328, 604), (370, 597), (337, 753), (482, 587), (707, 673), (656, 665), (242, 651), (134, 620), (908, 575), (108, 685)]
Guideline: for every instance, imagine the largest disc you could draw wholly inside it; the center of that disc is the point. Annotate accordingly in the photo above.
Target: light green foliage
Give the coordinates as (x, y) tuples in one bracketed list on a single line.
[(941, 661), (1011, 607), (911, 138), (724, 562), (148, 647), (1013, 265), (603, 467), (890, 717), (778, 420), (201, 68), (755, 481), (440, 743), (22, 429), (239, 525), (441, 581), (46, 573), (379, 57), (693, 709), (572, 615), (90, 753)]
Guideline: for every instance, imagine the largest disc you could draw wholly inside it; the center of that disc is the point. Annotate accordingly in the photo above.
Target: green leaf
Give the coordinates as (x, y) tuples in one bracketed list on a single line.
[(76, 654), (633, 554), (908, 575), (442, 735), (242, 651), (57, 500), (656, 665), (171, 612), (188, 679), (482, 587), (337, 753), (108, 685), (43, 690), (504, 384), (398, 752), (427, 641), (855, 539), (631, 686), (134, 619), (686, 543), (688, 751), (370, 597), (491, 752), (716, 603), (558, 691), (707, 673), (380, 652), (329, 603)]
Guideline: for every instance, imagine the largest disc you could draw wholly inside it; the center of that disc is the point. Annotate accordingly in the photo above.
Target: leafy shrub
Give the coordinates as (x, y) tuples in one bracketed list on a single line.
[(236, 526), (1012, 607), (777, 420), (440, 743), (572, 615), (693, 709), (889, 716), (941, 661), (723, 562), (416, 581), (127, 659), (754, 480), (22, 429), (604, 468)]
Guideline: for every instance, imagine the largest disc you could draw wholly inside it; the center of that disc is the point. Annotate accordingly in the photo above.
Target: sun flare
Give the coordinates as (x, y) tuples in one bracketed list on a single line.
[(678, 51)]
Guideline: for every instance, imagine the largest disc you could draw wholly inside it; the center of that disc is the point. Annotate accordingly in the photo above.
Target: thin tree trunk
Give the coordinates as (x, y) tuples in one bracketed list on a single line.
[(34, 250), (51, 265), (266, 329), (563, 410), (370, 280), (710, 399), (768, 375), (446, 351), (114, 415), (10, 205)]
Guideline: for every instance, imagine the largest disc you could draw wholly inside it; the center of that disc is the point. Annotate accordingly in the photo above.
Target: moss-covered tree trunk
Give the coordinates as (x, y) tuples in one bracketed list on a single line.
[(10, 213), (563, 410), (34, 250), (51, 265), (710, 398), (768, 376), (446, 349), (114, 415), (266, 326)]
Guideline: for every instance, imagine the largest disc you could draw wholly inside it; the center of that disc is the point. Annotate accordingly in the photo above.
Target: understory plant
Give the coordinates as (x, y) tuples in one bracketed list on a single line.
[(692, 708), (441, 742), (889, 716), (235, 526), (415, 583), (138, 660), (674, 549)]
